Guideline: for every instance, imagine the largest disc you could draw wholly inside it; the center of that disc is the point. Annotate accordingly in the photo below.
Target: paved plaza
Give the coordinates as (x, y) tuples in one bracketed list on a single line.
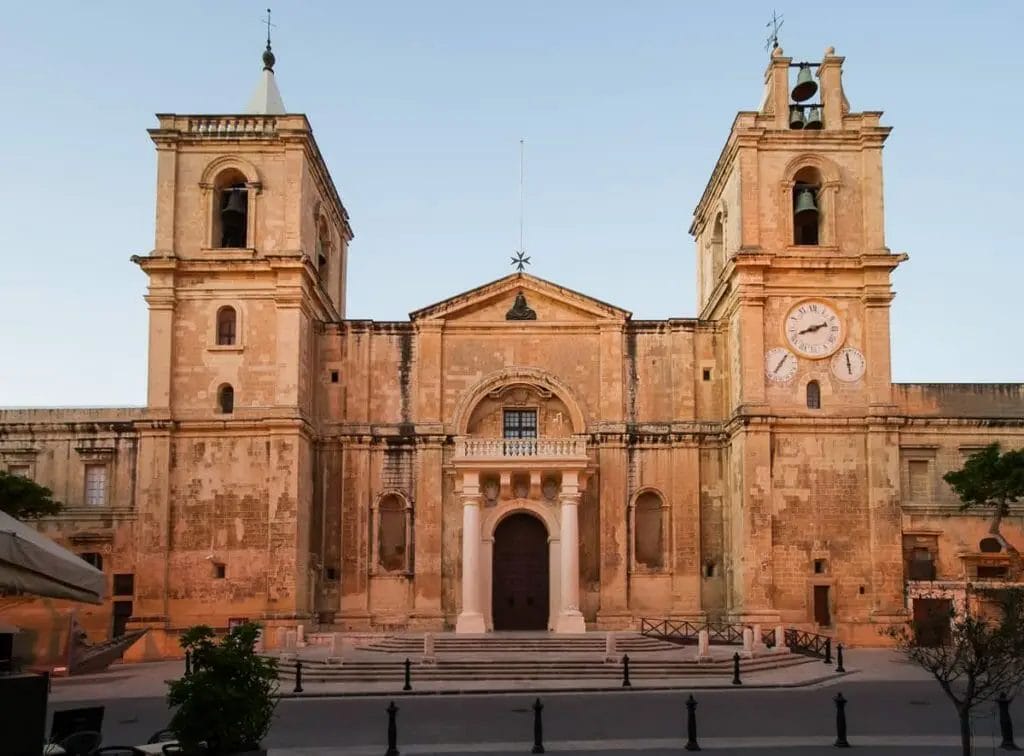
[(893, 708)]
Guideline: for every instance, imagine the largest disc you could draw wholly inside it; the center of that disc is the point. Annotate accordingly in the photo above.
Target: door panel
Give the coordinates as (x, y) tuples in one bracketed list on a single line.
[(822, 613), (520, 574)]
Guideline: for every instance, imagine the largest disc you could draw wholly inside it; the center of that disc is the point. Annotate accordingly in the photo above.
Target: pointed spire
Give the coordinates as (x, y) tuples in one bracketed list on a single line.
[(266, 100)]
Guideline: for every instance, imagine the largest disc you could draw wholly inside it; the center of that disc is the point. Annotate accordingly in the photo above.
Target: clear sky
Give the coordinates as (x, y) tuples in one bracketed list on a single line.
[(418, 108)]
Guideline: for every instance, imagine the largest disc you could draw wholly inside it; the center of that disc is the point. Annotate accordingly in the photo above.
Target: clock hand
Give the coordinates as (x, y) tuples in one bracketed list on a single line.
[(849, 367), (812, 329), (779, 365)]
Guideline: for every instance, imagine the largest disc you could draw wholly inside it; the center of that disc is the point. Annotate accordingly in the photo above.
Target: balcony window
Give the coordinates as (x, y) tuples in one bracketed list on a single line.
[(520, 424)]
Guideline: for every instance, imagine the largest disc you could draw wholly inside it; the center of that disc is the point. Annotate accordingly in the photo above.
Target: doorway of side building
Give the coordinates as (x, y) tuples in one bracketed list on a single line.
[(931, 620), (519, 583), (822, 612)]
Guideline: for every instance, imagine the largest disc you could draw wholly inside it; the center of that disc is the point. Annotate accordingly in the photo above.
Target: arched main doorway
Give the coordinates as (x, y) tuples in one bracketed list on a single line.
[(519, 582)]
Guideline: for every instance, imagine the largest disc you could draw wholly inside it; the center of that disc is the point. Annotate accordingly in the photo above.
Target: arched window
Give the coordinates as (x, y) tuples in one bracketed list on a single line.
[(226, 324), (813, 395), (323, 250), (648, 531), (393, 520), (231, 210), (717, 247), (226, 399), (806, 207)]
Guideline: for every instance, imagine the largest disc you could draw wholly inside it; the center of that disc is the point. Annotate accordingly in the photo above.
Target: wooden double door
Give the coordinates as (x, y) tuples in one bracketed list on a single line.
[(520, 574)]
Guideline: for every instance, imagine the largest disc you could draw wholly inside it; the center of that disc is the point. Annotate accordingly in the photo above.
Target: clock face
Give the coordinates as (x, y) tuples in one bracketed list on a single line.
[(814, 329), (848, 365), (779, 365)]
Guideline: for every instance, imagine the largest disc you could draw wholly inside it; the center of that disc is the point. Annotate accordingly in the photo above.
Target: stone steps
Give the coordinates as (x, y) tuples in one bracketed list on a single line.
[(528, 669), (582, 644)]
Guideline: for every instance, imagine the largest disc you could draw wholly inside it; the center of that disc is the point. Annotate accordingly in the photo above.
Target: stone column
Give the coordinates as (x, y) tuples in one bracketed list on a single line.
[(470, 620), (757, 648), (780, 640), (703, 646), (748, 643), (570, 620)]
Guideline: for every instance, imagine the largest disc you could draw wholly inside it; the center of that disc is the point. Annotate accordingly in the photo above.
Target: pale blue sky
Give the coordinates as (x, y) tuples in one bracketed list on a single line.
[(418, 109)]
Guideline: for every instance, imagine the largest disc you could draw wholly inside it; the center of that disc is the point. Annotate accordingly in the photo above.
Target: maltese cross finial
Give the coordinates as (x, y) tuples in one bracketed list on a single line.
[(520, 261)]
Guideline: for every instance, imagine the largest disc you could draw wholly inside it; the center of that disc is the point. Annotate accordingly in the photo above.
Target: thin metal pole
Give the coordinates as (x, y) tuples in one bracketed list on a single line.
[(691, 724), (408, 675), (392, 731), (839, 658), (298, 676), (841, 741), (538, 727), (736, 669)]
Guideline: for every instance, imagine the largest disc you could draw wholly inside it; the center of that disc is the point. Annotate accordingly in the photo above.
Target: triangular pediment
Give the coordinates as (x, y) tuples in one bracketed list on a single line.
[(521, 298)]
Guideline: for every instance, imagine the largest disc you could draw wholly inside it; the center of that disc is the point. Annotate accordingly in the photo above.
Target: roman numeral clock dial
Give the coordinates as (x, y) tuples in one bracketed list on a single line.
[(814, 329)]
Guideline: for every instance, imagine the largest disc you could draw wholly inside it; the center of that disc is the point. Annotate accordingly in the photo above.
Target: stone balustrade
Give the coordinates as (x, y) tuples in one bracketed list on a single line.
[(515, 448), (232, 126)]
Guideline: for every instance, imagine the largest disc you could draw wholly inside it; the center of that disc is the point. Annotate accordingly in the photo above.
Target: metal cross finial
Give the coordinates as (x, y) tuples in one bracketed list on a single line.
[(267, 22), (773, 39), (520, 261)]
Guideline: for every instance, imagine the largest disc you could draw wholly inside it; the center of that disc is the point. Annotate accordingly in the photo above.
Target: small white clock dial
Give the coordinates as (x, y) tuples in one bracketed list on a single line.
[(814, 329), (848, 365), (779, 365)]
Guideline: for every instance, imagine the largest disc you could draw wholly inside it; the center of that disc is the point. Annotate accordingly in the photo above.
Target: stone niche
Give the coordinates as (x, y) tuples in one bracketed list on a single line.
[(553, 418)]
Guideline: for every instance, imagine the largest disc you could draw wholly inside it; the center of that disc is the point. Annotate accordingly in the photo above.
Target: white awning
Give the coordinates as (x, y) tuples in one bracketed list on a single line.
[(33, 564)]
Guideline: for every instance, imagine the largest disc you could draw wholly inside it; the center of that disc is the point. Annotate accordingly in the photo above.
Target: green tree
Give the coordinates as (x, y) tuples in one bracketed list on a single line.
[(226, 704), (979, 656), (990, 478), (24, 499)]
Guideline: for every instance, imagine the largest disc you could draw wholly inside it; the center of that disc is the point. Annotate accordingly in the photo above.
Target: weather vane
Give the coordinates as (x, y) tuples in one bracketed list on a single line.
[(775, 24), (520, 260)]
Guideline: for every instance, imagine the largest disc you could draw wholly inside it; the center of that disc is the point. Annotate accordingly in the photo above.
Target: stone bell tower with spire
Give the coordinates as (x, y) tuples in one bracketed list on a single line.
[(249, 262), (792, 264)]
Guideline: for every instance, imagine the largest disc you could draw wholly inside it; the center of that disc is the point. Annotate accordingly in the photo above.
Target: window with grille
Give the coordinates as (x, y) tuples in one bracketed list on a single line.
[(95, 485), (520, 424), (813, 395)]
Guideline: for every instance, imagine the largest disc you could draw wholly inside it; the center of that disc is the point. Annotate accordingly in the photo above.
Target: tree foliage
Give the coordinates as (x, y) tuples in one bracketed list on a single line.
[(24, 499), (990, 478), (226, 704), (979, 654)]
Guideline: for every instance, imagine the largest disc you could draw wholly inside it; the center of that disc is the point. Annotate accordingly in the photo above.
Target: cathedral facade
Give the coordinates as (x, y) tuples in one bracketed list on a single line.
[(520, 456)]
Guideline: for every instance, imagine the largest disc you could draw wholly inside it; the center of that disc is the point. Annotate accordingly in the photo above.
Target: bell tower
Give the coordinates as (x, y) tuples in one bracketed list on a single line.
[(792, 262), (249, 262)]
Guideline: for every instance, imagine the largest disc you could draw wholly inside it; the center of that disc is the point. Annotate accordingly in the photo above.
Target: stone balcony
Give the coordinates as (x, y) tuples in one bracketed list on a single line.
[(566, 453)]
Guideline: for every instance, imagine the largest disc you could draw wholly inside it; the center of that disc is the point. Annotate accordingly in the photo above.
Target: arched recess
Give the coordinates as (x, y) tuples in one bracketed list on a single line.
[(649, 530), (511, 376), (220, 173), (492, 517), (391, 541), (827, 196)]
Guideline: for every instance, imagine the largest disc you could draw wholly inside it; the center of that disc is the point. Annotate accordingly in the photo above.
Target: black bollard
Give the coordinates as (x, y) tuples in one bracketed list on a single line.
[(408, 675), (298, 676), (1006, 724), (188, 663), (538, 727), (625, 672), (736, 669), (691, 724), (392, 730), (839, 658), (828, 650), (841, 741)]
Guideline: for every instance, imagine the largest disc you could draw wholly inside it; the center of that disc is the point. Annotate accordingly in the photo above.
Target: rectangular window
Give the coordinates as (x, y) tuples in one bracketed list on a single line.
[(21, 470), (918, 475), (122, 612), (95, 485), (520, 424), (124, 584), (93, 558)]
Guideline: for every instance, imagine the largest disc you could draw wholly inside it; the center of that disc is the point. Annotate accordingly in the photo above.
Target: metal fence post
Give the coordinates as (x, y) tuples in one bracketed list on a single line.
[(392, 731), (841, 741), (408, 675), (839, 658), (736, 669), (298, 676), (691, 724), (625, 672), (538, 727), (828, 650)]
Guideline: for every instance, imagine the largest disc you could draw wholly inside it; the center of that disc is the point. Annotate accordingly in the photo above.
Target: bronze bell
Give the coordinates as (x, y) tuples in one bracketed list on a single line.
[(235, 203), (806, 86), (796, 118), (813, 119), (805, 203)]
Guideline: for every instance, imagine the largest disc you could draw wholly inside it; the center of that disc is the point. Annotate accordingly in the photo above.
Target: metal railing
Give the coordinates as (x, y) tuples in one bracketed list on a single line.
[(685, 633)]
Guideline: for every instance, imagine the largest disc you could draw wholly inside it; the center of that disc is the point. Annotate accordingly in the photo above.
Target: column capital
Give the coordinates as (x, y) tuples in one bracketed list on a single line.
[(569, 499), (471, 500)]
